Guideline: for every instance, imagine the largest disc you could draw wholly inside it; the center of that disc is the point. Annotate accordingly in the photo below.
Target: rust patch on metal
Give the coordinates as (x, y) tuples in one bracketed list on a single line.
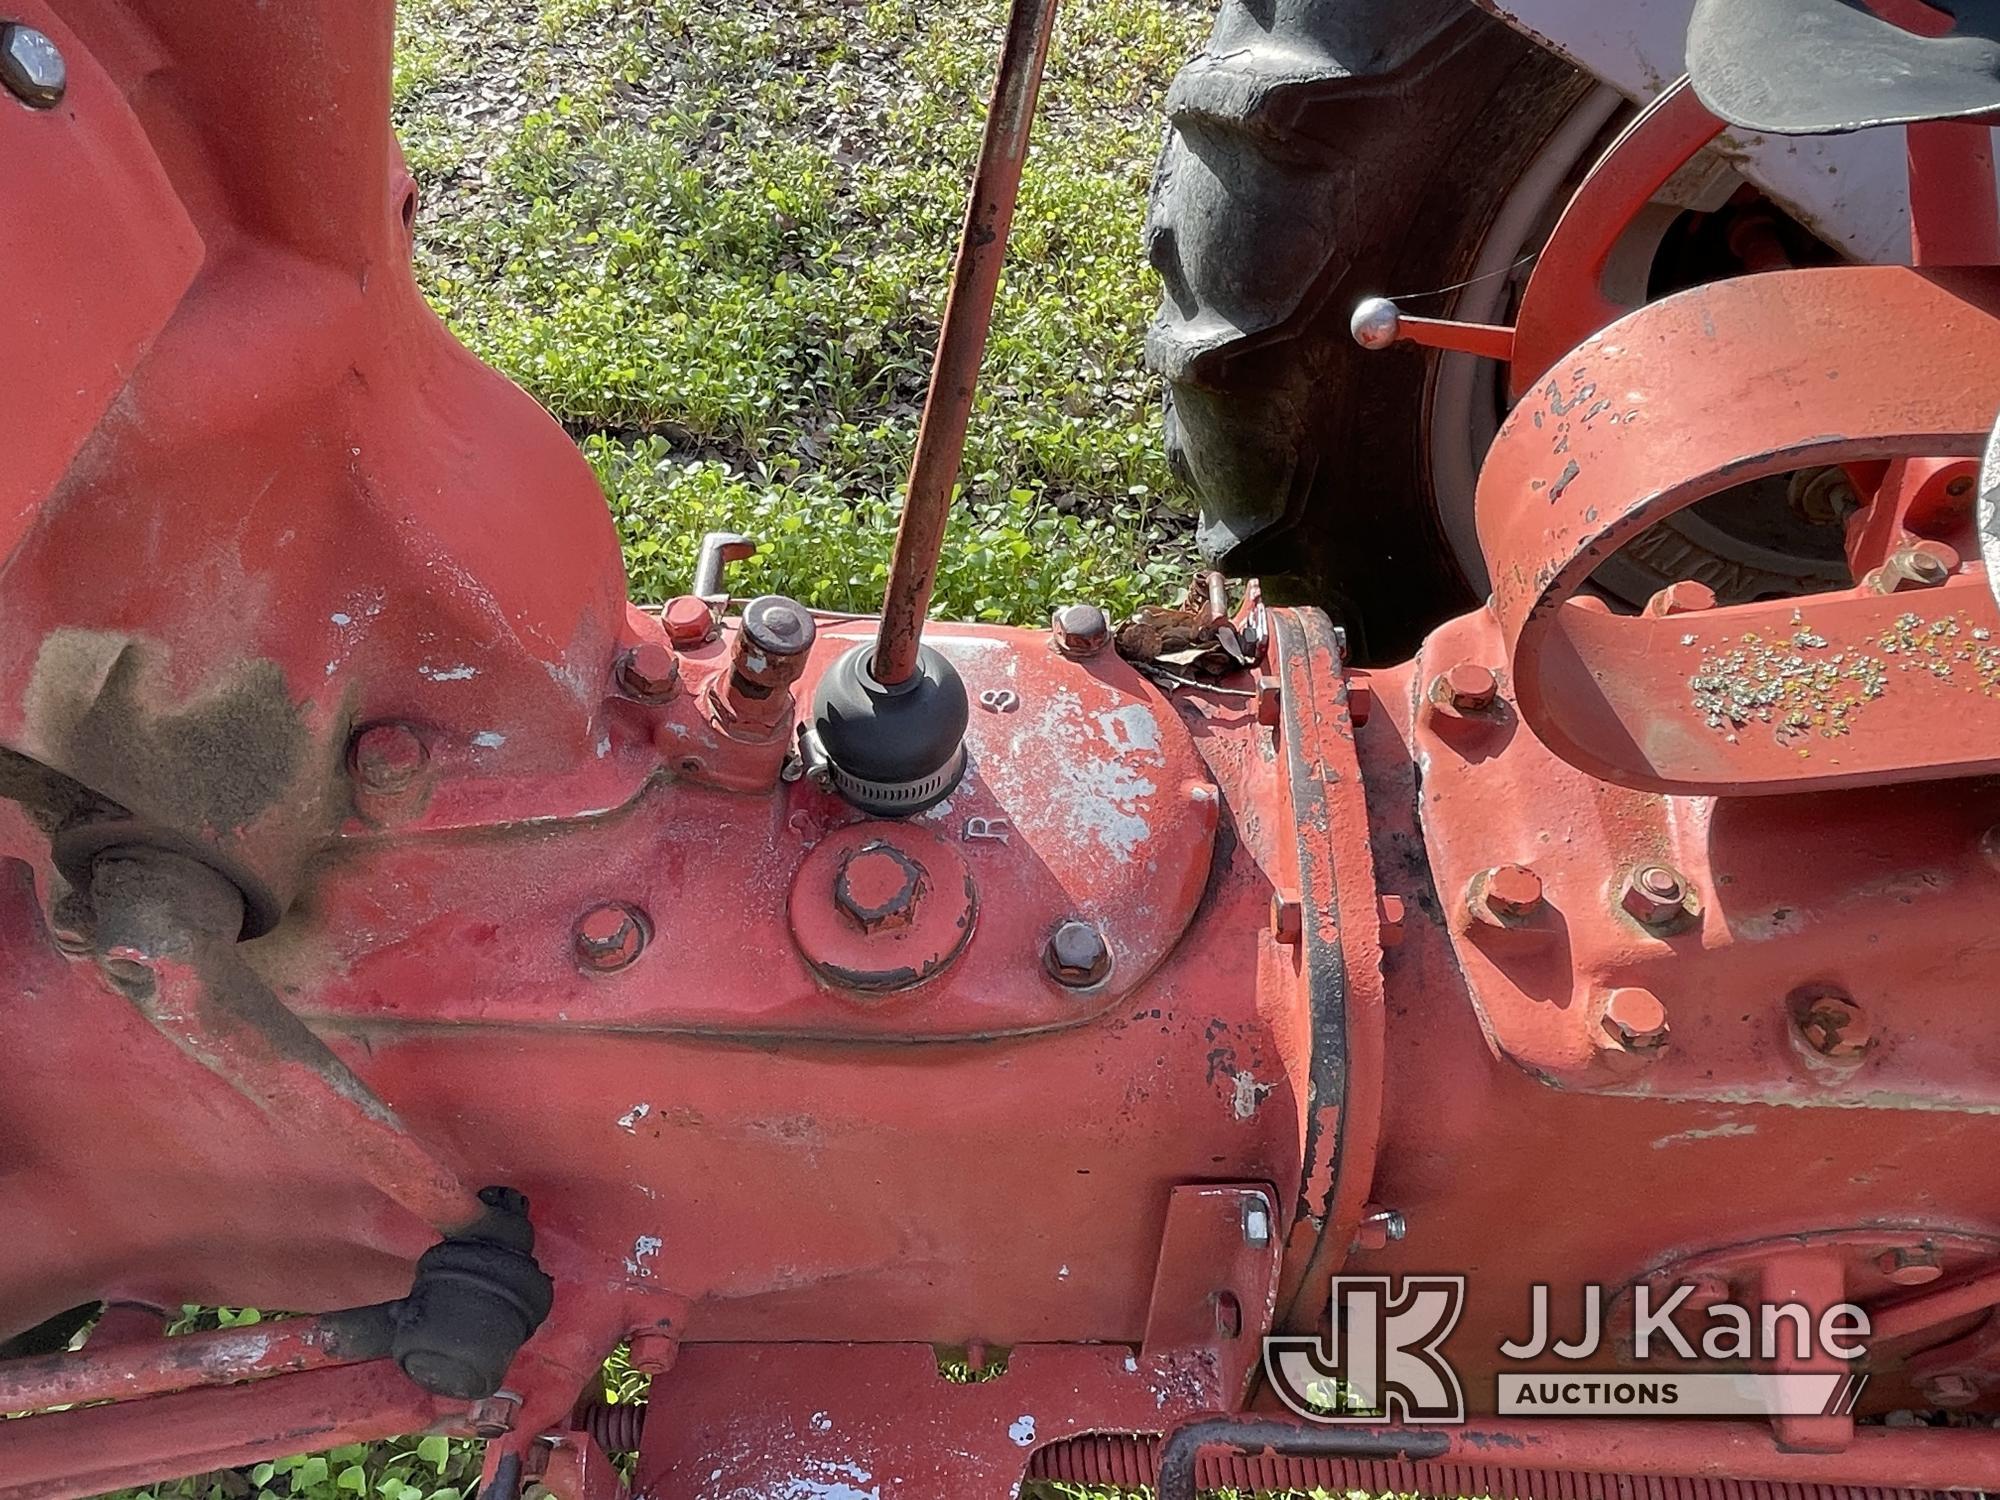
[(1805, 686), (106, 710)]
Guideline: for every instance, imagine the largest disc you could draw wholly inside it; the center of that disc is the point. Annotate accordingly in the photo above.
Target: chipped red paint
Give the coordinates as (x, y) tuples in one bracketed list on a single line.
[(1712, 387), (303, 898)]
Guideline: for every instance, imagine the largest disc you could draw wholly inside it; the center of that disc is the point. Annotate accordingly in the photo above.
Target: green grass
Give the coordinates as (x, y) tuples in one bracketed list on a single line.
[(713, 240)]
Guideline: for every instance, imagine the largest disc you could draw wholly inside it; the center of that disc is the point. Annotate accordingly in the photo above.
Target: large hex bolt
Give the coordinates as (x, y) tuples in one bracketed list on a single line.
[(1635, 1020), (688, 619), (1077, 955), (31, 66), (767, 656), (1655, 895), (1465, 687), (878, 887), (1080, 630), (385, 759), (610, 937), (494, 1416), (649, 672), (1505, 894), (1683, 598), (1914, 565), (1832, 1026)]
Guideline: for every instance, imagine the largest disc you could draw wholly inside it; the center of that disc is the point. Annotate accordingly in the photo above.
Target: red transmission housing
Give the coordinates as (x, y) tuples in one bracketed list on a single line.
[(397, 913)]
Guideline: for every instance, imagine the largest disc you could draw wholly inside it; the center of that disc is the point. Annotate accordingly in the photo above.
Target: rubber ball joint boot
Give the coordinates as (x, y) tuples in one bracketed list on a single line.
[(477, 1298)]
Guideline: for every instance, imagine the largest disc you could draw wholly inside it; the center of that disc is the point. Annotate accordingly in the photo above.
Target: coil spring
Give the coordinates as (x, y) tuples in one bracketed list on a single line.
[(617, 1426), (1132, 1462)]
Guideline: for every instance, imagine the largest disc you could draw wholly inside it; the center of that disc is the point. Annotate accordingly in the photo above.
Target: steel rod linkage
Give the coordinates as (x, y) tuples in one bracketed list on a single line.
[(968, 314), (221, 1356)]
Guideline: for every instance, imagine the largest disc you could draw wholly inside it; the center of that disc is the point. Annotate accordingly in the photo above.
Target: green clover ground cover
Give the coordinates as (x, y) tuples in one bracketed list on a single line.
[(713, 240)]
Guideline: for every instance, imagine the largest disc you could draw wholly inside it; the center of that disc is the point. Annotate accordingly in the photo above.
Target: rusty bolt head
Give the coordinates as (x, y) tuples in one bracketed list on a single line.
[(1683, 598), (1959, 486), (1950, 1390), (649, 671), (1822, 497), (1911, 1265), (653, 1350), (1654, 895), (1932, 562), (32, 67), (1833, 1026), (610, 936), (778, 627), (1080, 629), (1510, 891), (386, 758), (1465, 687), (773, 643), (689, 620), (493, 1416), (1077, 955), (1914, 565), (1635, 1020), (878, 886)]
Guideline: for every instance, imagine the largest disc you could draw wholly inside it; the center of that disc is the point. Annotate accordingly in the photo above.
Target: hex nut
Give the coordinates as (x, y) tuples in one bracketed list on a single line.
[(1080, 630), (1508, 892), (688, 620), (386, 758), (610, 937), (1656, 896), (493, 1416), (1635, 1020), (1831, 1025), (32, 66), (1914, 565), (649, 672), (1076, 955), (1466, 686), (878, 887)]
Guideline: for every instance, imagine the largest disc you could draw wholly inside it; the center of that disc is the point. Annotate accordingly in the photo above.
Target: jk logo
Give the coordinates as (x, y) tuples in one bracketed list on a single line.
[(1380, 1360)]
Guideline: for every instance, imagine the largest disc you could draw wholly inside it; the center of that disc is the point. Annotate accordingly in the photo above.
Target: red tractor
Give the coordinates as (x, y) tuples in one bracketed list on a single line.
[(944, 1056)]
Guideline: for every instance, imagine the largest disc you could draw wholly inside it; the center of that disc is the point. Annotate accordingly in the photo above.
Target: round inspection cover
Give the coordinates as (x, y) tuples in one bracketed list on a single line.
[(878, 906)]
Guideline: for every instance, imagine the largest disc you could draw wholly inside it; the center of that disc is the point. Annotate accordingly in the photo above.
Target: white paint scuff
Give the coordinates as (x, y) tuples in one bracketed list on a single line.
[(646, 1247), (1714, 1133)]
